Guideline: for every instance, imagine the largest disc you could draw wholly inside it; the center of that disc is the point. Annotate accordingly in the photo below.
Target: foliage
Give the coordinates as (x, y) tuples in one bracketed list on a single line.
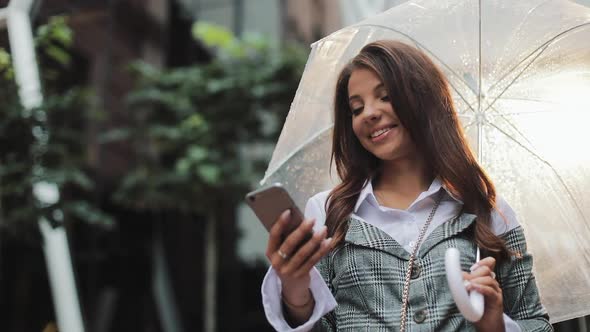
[(190, 124), (45, 145)]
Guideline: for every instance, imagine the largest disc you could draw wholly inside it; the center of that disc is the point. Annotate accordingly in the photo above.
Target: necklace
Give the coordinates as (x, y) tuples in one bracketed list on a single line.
[(406, 291)]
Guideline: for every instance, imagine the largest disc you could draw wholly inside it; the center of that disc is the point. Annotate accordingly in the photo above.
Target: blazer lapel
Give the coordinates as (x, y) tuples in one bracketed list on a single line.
[(446, 230), (363, 234)]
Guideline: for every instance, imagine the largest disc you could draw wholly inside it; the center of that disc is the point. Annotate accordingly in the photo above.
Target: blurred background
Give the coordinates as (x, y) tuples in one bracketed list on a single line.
[(157, 117)]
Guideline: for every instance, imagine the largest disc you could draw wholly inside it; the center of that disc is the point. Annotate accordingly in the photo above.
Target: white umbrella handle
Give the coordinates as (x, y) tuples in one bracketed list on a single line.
[(469, 304)]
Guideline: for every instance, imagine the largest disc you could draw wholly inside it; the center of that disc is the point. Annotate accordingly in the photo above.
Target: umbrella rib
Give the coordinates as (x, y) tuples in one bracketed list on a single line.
[(542, 46), (295, 151), (526, 112), (471, 123), (515, 78), (529, 99), (521, 145), (479, 61), (461, 95), (560, 179), (518, 29), (432, 55), (511, 125)]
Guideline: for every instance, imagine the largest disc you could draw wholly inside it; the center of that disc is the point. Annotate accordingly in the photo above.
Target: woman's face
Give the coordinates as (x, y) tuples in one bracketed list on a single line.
[(374, 121)]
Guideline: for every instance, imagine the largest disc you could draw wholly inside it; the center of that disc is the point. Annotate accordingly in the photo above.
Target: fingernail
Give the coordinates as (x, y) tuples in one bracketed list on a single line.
[(286, 214), (466, 283), (473, 267), (327, 241), (309, 222)]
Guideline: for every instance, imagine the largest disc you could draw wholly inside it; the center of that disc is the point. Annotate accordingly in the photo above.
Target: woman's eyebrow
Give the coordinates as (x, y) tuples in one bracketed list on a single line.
[(379, 87), (351, 98)]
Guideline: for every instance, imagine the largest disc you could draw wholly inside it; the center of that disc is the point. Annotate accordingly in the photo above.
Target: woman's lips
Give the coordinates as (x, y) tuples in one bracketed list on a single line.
[(383, 134)]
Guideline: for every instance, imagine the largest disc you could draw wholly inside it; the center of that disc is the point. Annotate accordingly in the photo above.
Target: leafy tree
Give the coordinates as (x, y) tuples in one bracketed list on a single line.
[(194, 127), (45, 145)]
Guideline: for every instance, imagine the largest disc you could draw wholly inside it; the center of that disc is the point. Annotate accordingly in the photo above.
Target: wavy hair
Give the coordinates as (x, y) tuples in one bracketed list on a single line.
[(421, 98)]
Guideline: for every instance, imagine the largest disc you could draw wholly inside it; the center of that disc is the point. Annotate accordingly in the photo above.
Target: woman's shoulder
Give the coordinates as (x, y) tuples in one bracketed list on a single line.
[(503, 217)]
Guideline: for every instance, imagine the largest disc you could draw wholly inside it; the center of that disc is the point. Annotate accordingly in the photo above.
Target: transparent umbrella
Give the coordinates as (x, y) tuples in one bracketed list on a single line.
[(520, 77)]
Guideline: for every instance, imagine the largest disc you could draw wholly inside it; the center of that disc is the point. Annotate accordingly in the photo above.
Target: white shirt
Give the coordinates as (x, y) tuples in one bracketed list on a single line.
[(402, 225)]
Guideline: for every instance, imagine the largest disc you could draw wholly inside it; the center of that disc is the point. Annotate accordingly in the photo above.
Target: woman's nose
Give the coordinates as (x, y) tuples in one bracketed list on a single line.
[(372, 113)]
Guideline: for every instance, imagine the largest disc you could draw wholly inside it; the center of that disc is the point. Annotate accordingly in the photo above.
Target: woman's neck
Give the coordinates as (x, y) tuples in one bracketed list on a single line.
[(400, 182)]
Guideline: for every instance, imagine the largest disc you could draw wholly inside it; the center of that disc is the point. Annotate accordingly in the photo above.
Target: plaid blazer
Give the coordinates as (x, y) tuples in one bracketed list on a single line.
[(366, 274)]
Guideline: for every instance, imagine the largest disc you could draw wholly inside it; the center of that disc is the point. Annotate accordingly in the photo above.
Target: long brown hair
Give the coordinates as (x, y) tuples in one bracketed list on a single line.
[(420, 96)]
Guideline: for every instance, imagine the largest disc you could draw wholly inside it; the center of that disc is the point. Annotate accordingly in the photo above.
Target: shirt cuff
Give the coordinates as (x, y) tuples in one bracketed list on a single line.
[(510, 325), (271, 300)]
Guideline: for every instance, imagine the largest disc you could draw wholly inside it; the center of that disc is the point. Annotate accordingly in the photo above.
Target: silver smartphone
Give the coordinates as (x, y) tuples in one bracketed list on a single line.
[(269, 202)]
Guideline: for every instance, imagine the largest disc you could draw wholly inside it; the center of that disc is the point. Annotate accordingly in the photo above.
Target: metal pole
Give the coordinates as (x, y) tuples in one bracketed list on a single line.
[(582, 326), (210, 275), (238, 17), (55, 242), (162, 285)]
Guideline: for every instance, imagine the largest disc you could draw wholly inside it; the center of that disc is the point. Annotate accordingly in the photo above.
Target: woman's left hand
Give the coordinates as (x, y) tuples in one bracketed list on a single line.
[(483, 280)]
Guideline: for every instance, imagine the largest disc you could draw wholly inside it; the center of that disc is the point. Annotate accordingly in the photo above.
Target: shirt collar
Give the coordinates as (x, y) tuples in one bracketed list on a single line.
[(367, 193)]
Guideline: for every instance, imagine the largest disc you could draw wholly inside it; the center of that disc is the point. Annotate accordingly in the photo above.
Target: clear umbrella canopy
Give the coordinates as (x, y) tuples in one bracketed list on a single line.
[(520, 78)]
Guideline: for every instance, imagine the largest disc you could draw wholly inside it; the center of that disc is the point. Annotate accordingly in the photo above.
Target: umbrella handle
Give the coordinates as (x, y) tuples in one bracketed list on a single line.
[(469, 304)]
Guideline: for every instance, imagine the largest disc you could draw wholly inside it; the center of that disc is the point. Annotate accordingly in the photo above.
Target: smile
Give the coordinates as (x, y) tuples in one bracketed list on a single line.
[(382, 131)]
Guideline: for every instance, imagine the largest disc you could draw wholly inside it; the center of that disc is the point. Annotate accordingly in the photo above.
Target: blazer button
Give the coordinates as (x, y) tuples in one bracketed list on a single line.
[(416, 270), (420, 316)]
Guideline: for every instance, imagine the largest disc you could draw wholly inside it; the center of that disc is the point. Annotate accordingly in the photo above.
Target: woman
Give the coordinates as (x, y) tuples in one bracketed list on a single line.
[(411, 188)]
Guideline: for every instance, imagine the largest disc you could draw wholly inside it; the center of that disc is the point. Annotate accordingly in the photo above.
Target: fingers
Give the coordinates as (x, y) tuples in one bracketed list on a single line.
[(484, 267), (325, 247), (489, 262), (282, 251), (482, 274), (481, 271), (276, 234), (304, 251), (301, 233), (305, 257), (483, 279), (488, 290), (295, 255)]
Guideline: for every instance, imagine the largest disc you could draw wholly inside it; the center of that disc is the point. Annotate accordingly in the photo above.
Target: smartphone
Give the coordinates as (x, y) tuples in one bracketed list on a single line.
[(269, 202)]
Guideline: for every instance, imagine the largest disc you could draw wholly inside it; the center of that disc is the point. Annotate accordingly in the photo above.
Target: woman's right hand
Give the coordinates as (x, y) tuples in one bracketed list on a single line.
[(298, 254)]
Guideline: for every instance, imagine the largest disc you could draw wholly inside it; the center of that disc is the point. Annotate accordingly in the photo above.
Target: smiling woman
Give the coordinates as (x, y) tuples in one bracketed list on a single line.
[(410, 189), (374, 121)]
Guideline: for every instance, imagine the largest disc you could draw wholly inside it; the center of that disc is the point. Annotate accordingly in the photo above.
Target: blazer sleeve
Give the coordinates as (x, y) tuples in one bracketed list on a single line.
[(522, 302), (328, 321)]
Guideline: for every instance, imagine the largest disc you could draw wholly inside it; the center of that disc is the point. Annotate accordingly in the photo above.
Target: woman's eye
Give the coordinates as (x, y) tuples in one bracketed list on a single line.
[(385, 98), (357, 111)]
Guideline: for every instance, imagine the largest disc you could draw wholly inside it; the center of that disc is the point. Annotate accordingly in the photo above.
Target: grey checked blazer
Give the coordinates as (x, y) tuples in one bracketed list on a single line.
[(366, 275)]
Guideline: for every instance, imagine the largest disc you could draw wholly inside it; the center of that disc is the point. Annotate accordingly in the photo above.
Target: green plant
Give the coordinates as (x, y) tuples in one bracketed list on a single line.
[(46, 144), (194, 127)]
